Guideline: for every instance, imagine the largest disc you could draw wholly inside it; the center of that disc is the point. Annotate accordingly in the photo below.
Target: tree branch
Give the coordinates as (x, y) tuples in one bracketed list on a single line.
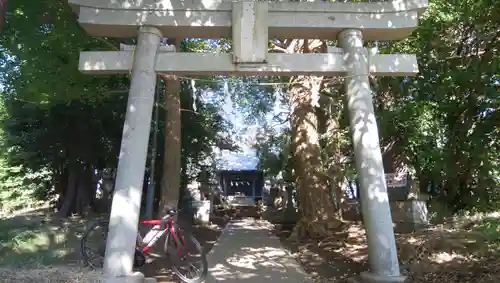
[(182, 109), (107, 42)]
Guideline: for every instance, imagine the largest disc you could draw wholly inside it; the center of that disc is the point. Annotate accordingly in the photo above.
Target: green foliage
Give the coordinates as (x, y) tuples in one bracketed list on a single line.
[(273, 151), (55, 118), (443, 124), (446, 119), (20, 189), (41, 41), (491, 228), (202, 130)]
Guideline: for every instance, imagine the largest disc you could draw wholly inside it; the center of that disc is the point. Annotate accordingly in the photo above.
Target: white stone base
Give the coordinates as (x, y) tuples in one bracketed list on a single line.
[(137, 277), (367, 277)]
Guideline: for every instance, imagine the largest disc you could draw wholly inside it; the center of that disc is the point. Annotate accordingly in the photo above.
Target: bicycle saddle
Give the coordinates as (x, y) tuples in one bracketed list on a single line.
[(171, 212)]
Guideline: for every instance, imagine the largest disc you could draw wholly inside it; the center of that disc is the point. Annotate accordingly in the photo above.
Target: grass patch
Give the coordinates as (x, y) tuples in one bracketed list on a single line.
[(13, 201), (36, 241), (490, 228), (21, 188)]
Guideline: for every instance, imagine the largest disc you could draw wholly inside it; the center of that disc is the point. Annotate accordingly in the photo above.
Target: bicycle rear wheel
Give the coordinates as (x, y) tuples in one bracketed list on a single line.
[(187, 258), (93, 244)]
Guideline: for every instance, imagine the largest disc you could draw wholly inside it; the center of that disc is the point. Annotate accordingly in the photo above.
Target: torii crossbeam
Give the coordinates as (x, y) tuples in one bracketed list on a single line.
[(202, 64)]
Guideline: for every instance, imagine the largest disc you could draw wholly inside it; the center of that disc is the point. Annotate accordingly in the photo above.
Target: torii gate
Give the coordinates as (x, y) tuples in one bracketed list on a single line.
[(250, 24)]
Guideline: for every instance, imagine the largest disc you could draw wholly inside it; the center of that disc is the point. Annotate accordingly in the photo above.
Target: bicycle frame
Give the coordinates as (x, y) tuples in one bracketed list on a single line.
[(170, 230)]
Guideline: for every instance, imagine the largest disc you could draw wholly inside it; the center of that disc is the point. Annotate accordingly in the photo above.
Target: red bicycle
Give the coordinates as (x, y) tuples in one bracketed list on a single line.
[(180, 246)]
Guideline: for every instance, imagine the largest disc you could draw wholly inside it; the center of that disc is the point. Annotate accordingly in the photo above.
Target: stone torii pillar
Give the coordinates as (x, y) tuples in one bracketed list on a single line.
[(126, 205), (382, 253)]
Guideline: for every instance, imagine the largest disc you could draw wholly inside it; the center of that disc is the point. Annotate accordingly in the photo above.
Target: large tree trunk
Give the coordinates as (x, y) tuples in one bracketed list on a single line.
[(60, 185), (316, 205), (79, 192), (85, 192), (3, 12), (172, 150), (69, 195)]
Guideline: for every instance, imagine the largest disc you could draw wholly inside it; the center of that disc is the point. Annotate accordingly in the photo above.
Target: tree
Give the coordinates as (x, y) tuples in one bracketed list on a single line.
[(315, 199), (172, 155), (61, 128), (442, 125), (3, 12), (53, 118), (444, 122)]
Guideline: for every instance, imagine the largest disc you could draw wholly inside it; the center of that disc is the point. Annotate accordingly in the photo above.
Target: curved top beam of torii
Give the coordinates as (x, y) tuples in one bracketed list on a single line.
[(391, 20)]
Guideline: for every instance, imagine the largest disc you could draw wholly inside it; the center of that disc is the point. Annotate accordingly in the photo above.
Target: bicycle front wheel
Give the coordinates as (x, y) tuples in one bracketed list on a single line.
[(93, 244), (187, 258)]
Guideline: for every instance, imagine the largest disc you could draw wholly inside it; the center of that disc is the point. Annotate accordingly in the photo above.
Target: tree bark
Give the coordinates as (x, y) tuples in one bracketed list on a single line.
[(316, 205), (79, 192), (172, 150), (85, 192), (69, 196), (60, 185), (3, 12)]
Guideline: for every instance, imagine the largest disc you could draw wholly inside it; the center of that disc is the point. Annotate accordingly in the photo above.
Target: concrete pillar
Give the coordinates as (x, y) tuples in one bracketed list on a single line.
[(125, 208), (383, 260)]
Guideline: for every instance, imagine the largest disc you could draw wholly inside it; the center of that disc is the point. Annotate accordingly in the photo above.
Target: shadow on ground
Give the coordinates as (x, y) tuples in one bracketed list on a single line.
[(326, 261), (468, 252), (38, 244), (446, 253)]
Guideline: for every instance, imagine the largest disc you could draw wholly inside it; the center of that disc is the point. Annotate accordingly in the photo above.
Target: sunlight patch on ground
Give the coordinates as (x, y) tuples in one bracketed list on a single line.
[(443, 257)]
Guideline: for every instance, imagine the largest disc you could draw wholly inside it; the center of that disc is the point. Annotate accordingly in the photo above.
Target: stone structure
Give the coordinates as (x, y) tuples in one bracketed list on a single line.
[(250, 24), (409, 210), (408, 206)]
